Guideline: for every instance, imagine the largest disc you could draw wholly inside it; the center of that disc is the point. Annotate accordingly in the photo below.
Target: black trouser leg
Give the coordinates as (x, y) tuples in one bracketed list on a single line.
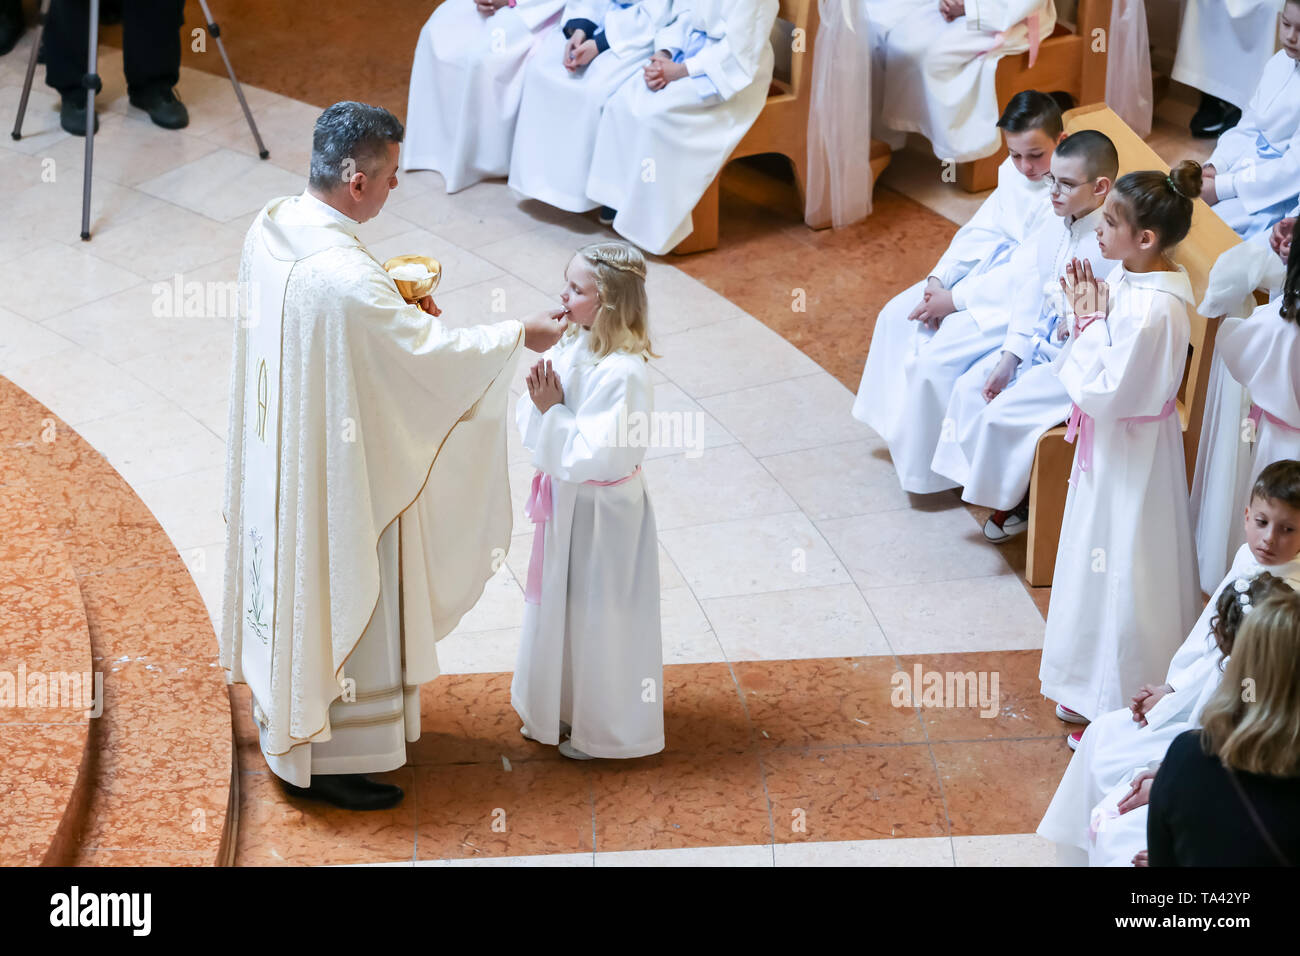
[(67, 39), (151, 43)]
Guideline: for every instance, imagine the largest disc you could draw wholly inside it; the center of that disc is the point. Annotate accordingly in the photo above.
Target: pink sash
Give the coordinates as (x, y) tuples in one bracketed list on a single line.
[(1034, 40), (1256, 413), (539, 509), (1082, 426)]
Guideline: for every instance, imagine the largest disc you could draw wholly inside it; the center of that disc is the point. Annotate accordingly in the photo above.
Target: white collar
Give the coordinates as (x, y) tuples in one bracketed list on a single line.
[(328, 210)]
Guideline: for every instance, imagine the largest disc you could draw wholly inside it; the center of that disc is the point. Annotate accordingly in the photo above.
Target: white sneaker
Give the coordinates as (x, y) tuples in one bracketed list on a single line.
[(572, 752), (1070, 716), (565, 730), (1012, 523), (1073, 740)]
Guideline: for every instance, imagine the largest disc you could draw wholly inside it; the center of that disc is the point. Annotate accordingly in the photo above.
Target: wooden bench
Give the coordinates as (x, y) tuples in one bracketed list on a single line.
[(1208, 239), (1066, 63), (782, 127)]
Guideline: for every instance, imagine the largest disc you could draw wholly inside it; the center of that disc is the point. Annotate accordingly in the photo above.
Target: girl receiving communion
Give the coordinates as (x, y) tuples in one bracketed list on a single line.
[(590, 660)]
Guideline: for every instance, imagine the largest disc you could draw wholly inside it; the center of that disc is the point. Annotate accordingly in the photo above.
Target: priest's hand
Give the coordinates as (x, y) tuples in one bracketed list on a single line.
[(544, 386), (1140, 794), (543, 329), (428, 305), (1001, 374)]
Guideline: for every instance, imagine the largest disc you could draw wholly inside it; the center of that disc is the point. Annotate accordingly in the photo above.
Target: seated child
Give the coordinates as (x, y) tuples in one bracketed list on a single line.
[(566, 84), (665, 134), (1137, 735), (466, 81), (1004, 403), (591, 658), (927, 336), (1253, 176), (1124, 588), (940, 68)]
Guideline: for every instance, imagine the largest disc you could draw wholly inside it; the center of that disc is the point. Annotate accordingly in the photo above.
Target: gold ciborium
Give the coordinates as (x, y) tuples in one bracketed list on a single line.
[(413, 290)]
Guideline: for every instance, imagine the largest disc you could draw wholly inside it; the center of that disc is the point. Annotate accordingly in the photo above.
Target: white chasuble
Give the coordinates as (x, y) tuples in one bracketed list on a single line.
[(466, 81), (365, 492), (1114, 745), (1125, 586), (591, 654)]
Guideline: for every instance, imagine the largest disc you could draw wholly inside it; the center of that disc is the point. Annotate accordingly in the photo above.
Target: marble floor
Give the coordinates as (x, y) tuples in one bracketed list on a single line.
[(797, 579)]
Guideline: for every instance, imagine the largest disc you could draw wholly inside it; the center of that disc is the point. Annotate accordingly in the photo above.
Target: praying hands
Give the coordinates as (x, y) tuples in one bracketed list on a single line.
[(579, 51), (544, 386), (661, 70)]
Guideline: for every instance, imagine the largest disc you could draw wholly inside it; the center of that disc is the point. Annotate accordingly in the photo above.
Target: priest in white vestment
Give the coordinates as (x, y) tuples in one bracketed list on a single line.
[(366, 494)]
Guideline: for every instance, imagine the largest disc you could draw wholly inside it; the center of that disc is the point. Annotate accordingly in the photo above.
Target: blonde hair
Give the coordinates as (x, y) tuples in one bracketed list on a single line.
[(1259, 732), (622, 319)]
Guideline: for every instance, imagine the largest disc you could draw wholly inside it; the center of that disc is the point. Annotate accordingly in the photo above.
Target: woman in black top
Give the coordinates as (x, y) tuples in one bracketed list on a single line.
[(1229, 794)]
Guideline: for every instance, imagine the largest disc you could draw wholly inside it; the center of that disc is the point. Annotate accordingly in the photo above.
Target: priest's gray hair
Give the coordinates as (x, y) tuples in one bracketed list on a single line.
[(350, 137)]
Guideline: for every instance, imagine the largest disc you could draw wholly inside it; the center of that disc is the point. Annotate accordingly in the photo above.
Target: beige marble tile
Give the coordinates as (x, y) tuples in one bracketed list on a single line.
[(224, 185), (909, 546), (188, 506), (690, 430), (841, 480), (459, 267), (490, 301), (728, 856), (727, 356), (479, 652), (79, 386), (538, 256), (285, 127), (679, 302), (687, 636), (907, 851), (212, 104), (753, 555), (153, 442), (191, 372), (1013, 849), (22, 341), (472, 218), (33, 291), (41, 130), (720, 485), (791, 415), (129, 150), (501, 606), (974, 614), (788, 625), (167, 241), (919, 175)]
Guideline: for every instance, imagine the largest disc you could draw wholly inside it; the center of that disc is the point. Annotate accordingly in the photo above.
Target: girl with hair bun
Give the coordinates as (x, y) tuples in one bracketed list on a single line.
[(1125, 589), (591, 657)]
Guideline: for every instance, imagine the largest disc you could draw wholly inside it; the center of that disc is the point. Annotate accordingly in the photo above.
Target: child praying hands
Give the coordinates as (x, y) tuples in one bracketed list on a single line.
[(544, 386), (661, 70), (1088, 296)]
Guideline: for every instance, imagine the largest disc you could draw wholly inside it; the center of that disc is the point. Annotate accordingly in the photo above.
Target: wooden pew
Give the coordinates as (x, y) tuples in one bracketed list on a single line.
[(1208, 239)]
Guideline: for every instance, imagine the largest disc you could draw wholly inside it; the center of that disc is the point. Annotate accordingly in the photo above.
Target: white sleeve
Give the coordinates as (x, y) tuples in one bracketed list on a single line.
[(997, 16), (629, 28), (977, 239), (731, 63)]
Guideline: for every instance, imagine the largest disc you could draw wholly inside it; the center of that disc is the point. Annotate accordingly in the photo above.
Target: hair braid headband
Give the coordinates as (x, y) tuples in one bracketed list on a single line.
[(1242, 587), (633, 267)]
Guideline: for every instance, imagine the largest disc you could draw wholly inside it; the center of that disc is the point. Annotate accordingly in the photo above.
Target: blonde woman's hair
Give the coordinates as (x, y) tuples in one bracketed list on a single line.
[(622, 318), (1253, 720)]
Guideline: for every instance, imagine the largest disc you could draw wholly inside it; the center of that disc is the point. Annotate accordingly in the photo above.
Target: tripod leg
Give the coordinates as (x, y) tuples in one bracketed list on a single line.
[(31, 71), (215, 30), (91, 82)]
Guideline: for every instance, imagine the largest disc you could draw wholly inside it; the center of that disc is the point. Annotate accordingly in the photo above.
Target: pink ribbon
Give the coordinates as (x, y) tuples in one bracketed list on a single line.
[(1000, 39), (539, 509), (1081, 424), (1256, 413)]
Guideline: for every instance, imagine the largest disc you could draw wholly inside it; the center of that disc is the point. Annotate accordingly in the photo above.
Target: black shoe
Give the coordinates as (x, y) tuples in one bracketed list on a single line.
[(11, 26), (163, 106), (110, 12), (350, 791), (73, 117), (606, 216), (1214, 117)]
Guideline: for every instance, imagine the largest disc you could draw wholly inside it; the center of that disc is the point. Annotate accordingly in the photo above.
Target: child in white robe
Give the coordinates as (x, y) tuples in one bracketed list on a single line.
[(940, 68), (1004, 403), (928, 335), (591, 657), (665, 135), (1135, 737), (1253, 175), (1125, 586), (466, 82), (577, 67)]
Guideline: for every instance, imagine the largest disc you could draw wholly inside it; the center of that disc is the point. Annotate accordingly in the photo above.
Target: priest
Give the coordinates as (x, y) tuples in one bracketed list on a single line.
[(366, 499)]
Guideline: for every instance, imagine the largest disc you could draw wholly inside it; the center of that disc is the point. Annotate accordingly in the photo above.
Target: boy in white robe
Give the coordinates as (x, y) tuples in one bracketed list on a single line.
[(665, 135), (1005, 402), (466, 82), (1124, 590), (928, 335), (1136, 737), (578, 66), (591, 658), (940, 68), (1222, 48), (1253, 175)]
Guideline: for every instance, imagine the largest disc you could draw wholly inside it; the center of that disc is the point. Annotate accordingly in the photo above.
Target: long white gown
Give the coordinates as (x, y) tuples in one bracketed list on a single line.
[(1224, 44), (1113, 745), (1263, 354), (657, 151), (466, 82), (989, 448), (910, 370), (555, 134), (591, 653), (1124, 591), (940, 78), (1257, 162)]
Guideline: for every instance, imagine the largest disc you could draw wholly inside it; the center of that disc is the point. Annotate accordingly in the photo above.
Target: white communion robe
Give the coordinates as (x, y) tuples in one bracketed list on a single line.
[(556, 131), (591, 654), (657, 151), (1124, 589), (940, 77), (1224, 44), (366, 491), (989, 448), (1114, 746), (1257, 162), (466, 82), (910, 369)]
